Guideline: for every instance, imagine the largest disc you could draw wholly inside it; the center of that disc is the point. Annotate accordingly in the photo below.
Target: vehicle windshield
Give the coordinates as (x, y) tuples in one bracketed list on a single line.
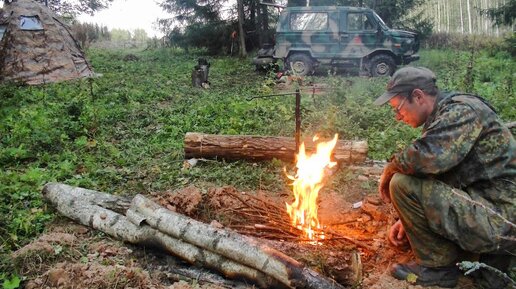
[(380, 20)]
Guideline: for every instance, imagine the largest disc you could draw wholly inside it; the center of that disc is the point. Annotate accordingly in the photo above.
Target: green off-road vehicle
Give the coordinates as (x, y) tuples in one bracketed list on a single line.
[(338, 36)]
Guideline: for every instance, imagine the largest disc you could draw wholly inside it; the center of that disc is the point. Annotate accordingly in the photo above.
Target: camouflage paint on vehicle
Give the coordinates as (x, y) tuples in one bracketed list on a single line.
[(341, 36)]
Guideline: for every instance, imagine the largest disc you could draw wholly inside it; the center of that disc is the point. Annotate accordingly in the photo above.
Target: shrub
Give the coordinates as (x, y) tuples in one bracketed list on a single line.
[(464, 42)]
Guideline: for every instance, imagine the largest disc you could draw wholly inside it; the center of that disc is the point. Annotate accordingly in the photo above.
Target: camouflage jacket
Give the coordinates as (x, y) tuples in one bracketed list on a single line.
[(464, 143)]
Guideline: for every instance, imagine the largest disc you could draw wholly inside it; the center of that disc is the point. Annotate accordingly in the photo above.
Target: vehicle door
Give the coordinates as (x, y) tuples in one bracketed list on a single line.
[(358, 35), (313, 31)]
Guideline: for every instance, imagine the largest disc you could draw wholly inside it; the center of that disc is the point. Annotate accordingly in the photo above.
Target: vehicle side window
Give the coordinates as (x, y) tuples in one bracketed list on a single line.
[(359, 21), (30, 23), (369, 23), (308, 21)]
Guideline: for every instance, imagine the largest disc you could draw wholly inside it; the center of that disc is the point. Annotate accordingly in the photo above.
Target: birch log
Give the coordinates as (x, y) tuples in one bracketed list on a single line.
[(197, 145), (232, 245), (148, 223), (85, 207)]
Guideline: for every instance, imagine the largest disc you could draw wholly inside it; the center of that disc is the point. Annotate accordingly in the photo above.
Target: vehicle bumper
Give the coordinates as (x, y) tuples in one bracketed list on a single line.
[(409, 58)]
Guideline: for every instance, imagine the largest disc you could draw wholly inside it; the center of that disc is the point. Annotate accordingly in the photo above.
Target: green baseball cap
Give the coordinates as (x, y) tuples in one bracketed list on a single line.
[(405, 80)]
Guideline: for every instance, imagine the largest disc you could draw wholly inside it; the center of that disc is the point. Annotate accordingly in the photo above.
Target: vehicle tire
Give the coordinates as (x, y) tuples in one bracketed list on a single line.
[(301, 64), (382, 65)]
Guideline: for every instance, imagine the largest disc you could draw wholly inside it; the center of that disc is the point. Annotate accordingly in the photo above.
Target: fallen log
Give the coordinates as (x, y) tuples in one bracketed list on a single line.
[(147, 223), (234, 147)]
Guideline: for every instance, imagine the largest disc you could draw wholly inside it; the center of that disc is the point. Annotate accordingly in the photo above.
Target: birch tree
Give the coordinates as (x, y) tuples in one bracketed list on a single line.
[(461, 17), (469, 17)]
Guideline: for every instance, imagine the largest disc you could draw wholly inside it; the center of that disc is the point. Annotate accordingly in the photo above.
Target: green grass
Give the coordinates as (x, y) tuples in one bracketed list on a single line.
[(123, 133)]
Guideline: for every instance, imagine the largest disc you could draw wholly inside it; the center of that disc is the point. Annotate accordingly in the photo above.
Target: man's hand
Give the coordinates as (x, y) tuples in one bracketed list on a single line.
[(385, 180), (397, 235)]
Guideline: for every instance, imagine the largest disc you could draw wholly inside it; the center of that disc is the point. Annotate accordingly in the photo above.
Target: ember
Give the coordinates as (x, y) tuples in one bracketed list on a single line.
[(308, 181)]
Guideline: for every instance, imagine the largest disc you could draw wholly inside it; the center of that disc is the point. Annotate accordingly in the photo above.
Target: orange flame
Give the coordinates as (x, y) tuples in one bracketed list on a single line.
[(308, 181)]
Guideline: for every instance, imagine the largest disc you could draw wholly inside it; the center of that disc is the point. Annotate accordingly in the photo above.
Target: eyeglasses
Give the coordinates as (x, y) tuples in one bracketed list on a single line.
[(397, 109), (405, 96)]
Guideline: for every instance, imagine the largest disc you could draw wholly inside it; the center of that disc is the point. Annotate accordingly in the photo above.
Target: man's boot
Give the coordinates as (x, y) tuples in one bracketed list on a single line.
[(426, 276)]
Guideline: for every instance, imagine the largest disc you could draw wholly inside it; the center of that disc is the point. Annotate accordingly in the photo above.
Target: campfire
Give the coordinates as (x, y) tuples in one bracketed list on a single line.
[(290, 229), (307, 182)]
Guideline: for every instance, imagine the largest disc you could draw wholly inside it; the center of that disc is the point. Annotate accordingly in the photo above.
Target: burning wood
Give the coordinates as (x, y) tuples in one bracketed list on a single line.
[(307, 183), (260, 217)]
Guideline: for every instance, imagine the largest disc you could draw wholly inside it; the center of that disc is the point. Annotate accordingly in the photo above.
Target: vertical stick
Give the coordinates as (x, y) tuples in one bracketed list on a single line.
[(298, 119)]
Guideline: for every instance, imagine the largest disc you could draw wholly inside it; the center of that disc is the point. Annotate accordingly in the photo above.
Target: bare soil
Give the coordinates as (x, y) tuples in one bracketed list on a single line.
[(73, 256)]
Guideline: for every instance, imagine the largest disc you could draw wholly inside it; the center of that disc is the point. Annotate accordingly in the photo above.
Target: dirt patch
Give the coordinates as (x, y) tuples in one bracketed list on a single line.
[(46, 244), (93, 275), (185, 201)]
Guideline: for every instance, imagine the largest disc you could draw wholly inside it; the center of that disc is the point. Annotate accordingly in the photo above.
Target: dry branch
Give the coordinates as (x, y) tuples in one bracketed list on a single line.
[(257, 219), (197, 145)]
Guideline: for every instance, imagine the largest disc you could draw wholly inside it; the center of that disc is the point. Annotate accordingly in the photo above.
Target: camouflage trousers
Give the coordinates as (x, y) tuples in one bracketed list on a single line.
[(442, 222)]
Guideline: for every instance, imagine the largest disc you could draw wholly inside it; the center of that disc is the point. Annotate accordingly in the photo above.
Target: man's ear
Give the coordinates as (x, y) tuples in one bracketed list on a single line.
[(419, 96)]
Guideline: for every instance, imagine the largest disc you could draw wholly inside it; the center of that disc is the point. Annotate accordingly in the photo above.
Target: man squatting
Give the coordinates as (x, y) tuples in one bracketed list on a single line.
[(453, 187)]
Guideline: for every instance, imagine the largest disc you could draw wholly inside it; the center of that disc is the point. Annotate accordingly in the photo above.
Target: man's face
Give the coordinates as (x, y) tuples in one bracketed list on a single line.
[(412, 112)]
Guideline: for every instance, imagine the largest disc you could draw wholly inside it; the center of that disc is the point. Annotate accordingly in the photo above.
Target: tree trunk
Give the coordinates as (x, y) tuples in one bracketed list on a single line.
[(148, 223), (447, 10), (263, 24), (438, 16), (461, 18), (240, 7), (232, 147), (257, 10), (469, 17)]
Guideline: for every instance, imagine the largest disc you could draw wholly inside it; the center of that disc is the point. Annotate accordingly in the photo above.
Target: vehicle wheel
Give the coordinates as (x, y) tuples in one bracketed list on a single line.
[(382, 65), (300, 64)]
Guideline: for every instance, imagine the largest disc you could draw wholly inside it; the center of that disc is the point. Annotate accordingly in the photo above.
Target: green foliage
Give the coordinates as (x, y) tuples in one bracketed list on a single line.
[(210, 36), (11, 283), (194, 11), (140, 35), (70, 9), (464, 42), (489, 74), (120, 35), (418, 23), (503, 14)]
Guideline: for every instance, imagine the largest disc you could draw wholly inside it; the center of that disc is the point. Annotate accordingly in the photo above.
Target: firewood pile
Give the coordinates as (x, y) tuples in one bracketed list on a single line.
[(234, 255)]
